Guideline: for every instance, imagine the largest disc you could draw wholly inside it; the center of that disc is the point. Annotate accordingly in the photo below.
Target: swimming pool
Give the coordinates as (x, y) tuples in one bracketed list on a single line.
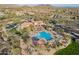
[(45, 35)]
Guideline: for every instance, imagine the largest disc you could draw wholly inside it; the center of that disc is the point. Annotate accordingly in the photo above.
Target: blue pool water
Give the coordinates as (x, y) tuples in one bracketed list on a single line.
[(45, 35)]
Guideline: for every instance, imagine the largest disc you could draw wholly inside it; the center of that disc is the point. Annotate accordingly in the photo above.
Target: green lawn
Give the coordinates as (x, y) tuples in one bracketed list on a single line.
[(72, 49)]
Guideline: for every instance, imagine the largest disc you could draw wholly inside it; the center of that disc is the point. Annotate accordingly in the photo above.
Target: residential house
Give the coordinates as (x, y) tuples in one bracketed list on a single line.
[(25, 24)]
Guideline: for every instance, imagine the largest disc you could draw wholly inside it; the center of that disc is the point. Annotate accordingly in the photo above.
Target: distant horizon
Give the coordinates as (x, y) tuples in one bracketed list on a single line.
[(66, 5), (56, 5)]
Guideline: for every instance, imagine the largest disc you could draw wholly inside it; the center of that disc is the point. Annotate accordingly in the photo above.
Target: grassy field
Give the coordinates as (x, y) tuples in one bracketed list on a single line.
[(72, 49)]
